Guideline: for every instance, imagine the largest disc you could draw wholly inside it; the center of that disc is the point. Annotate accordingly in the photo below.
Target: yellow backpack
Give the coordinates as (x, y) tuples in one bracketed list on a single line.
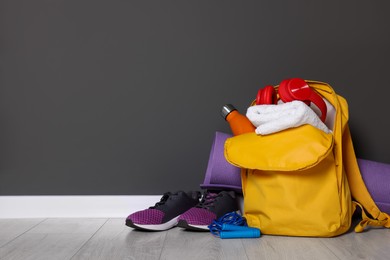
[(302, 181)]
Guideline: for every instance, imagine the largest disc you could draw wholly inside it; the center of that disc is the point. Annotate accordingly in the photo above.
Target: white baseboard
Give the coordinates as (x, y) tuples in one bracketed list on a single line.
[(73, 206)]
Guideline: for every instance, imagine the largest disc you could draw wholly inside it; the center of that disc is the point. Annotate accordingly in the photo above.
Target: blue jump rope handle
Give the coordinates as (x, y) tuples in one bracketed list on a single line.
[(233, 231), (230, 227), (250, 233)]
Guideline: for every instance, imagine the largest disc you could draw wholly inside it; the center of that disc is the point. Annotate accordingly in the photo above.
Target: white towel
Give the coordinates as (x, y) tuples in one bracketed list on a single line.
[(274, 118)]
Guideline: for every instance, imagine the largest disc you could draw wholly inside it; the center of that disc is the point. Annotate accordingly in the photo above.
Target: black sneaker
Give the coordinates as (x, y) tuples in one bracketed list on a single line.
[(212, 206), (164, 215)]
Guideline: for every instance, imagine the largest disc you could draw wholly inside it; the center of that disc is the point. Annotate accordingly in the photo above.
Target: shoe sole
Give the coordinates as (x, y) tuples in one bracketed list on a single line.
[(184, 224), (158, 227)]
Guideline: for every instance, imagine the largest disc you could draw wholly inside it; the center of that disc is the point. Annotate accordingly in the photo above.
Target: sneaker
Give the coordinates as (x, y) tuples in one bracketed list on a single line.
[(212, 206), (164, 215)]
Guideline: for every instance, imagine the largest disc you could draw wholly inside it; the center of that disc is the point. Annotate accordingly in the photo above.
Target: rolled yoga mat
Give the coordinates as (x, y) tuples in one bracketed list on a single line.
[(220, 174), (376, 176)]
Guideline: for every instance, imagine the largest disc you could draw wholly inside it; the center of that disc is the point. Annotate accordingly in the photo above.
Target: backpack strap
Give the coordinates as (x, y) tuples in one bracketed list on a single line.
[(367, 221), (359, 190), (360, 194)]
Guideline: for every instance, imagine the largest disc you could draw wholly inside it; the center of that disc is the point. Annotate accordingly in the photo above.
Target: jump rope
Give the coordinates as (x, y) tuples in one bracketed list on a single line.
[(233, 225)]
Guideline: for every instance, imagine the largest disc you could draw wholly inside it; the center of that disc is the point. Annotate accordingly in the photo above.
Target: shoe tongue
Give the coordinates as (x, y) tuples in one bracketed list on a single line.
[(162, 201), (168, 195), (195, 195)]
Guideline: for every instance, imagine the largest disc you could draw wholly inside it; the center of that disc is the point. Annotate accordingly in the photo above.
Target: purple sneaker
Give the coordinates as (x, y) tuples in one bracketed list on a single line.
[(212, 206), (164, 215)]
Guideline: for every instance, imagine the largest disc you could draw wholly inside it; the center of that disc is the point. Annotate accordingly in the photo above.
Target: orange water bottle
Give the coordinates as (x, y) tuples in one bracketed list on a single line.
[(239, 124)]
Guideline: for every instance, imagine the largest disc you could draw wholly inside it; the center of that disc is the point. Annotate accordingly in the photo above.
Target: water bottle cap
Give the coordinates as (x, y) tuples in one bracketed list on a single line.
[(226, 110)]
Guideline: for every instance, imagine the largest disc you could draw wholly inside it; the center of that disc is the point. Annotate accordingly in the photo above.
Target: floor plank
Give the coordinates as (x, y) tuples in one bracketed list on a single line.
[(281, 247), (12, 228), (181, 244), (78, 239), (117, 241), (372, 244), (52, 239)]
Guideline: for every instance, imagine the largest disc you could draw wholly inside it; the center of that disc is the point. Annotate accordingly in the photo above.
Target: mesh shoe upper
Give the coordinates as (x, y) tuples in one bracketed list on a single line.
[(170, 206), (212, 206)]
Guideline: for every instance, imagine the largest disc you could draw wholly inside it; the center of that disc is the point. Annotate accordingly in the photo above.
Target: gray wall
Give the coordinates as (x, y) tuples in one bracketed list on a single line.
[(123, 97)]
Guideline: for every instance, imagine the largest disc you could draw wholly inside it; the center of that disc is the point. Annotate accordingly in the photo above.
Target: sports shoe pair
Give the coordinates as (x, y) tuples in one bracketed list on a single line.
[(184, 209)]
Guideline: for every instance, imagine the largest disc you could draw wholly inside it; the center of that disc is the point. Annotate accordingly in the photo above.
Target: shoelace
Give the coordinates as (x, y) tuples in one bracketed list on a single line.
[(163, 199), (207, 200)]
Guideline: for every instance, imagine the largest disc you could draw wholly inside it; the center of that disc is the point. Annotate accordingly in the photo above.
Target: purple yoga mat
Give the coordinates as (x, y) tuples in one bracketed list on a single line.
[(220, 174), (376, 176)]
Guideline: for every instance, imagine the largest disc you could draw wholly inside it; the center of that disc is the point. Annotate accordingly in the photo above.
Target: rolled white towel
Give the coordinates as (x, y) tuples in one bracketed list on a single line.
[(274, 118)]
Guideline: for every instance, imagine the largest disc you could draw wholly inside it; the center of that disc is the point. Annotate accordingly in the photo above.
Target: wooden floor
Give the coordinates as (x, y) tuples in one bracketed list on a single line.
[(110, 239)]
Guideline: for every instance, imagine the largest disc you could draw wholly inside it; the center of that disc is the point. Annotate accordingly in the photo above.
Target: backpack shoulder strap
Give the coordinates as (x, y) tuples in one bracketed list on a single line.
[(356, 183), (359, 190)]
